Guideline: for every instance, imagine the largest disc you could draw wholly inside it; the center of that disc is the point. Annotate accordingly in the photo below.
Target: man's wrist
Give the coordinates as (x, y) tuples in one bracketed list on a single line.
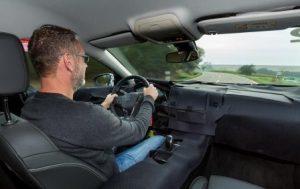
[(104, 105), (149, 97)]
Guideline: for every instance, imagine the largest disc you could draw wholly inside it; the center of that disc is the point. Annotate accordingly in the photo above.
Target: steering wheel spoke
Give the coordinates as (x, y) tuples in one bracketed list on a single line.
[(122, 92)]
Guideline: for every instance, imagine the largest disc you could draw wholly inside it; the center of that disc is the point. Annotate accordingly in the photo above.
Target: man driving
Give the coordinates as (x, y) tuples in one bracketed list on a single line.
[(82, 129)]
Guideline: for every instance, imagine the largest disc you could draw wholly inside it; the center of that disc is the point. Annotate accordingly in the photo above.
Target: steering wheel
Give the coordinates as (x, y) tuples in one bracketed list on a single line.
[(127, 102)]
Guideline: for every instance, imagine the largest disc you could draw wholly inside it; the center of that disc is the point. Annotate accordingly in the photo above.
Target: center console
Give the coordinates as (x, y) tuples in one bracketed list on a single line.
[(167, 167)]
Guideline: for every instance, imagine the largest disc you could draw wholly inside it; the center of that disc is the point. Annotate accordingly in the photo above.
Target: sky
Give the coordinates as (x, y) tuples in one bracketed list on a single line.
[(258, 48)]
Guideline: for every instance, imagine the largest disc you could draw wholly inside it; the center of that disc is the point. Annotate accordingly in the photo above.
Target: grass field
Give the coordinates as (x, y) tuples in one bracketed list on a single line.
[(263, 78), (270, 67)]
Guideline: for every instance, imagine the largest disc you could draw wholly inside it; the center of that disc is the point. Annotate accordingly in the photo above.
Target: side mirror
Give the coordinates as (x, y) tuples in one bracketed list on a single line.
[(187, 52), (106, 79)]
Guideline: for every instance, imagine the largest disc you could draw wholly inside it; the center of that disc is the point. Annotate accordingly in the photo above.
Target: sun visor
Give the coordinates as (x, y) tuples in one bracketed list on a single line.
[(249, 22), (117, 40)]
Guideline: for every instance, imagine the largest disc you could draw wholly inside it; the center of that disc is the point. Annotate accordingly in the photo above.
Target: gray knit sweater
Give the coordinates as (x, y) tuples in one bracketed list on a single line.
[(85, 130)]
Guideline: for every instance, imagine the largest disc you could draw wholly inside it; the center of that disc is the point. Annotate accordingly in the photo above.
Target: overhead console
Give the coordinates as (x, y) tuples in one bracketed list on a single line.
[(248, 22), (165, 28)]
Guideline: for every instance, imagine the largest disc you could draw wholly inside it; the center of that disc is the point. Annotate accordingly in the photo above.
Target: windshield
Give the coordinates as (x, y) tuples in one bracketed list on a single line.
[(270, 57)]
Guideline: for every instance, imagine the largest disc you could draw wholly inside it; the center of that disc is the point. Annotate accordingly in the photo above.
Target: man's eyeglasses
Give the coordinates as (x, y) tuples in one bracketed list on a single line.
[(86, 58)]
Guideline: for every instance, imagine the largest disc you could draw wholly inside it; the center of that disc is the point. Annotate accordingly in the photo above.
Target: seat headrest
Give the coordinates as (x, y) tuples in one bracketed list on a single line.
[(13, 67)]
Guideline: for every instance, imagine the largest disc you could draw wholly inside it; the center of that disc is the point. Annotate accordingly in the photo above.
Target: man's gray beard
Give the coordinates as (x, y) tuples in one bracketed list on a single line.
[(78, 81)]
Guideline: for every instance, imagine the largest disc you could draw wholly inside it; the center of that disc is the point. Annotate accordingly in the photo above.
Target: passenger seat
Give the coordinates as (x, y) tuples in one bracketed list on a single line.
[(221, 182)]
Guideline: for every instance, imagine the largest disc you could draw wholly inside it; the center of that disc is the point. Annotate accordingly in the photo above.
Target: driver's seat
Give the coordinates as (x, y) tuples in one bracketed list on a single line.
[(27, 152)]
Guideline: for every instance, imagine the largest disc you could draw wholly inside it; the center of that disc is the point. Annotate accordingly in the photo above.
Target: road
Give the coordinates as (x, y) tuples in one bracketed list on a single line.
[(217, 77)]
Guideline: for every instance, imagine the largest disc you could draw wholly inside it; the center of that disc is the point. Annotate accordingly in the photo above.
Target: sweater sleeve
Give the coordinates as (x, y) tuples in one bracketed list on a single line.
[(115, 131)]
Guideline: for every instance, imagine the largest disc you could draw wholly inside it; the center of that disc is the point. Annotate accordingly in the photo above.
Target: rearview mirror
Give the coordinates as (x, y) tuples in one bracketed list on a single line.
[(182, 56), (187, 52)]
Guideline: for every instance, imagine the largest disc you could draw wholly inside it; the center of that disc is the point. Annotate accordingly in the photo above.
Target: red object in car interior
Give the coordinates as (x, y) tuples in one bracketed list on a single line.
[(25, 42)]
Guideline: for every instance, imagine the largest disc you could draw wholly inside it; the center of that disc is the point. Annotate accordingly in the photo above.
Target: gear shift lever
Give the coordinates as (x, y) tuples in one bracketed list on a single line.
[(169, 143)]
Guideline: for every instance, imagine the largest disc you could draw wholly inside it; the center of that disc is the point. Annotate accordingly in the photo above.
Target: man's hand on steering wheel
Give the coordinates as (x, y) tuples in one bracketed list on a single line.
[(108, 100), (151, 91), (148, 91), (128, 103)]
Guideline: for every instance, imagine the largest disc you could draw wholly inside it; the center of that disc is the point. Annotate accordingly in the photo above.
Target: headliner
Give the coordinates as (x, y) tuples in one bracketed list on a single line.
[(94, 19)]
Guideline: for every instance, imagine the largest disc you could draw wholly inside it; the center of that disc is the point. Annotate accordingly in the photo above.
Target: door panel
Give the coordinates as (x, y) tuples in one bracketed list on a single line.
[(92, 94)]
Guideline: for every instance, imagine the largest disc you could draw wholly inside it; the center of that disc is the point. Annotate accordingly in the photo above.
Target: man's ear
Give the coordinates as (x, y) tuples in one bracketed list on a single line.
[(67, 62)]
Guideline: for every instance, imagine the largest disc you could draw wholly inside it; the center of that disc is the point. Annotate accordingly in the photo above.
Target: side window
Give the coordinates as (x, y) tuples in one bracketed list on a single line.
[(33, 76), (94, 68)]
